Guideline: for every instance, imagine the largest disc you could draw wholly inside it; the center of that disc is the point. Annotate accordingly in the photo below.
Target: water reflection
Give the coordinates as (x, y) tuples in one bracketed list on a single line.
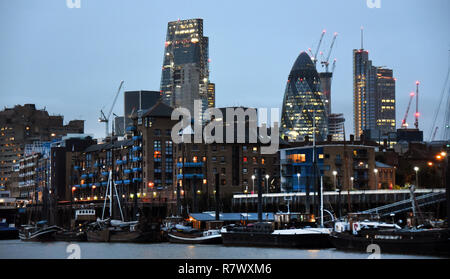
[(16, 249)]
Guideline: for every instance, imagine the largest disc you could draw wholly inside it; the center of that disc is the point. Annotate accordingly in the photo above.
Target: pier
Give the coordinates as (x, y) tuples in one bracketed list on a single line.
[(356, 201)]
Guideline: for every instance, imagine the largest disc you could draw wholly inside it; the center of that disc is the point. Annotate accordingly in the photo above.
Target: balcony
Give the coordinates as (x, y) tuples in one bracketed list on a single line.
[(137, 148), (190, 176), (137, 159), (190, 165)]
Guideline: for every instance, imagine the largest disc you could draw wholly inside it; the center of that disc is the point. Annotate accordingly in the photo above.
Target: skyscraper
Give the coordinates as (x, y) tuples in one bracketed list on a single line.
[(336, 126), (185, 71), (373, 98), (304, 109), (211, 95)]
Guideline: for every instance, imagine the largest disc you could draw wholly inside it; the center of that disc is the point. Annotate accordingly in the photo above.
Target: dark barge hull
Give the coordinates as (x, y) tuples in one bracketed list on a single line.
[(435, 245), (301, 241)]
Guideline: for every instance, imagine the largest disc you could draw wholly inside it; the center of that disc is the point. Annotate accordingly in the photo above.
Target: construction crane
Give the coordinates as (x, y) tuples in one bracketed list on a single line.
[(416, 123), (326, 63), (404, 124), (314, 57), (105, 118), (332, 69), (434, 134)]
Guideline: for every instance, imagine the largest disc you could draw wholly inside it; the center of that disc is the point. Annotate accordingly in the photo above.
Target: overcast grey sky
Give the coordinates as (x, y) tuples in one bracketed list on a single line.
[(71, 61)]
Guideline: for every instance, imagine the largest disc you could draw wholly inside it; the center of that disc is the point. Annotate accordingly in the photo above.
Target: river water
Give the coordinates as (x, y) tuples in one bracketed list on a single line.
[(17, 249)]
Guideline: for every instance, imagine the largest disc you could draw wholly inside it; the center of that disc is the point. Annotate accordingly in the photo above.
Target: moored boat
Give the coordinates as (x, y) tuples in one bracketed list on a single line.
[(39, 232), (393, 240), (187, 235), (264, 235)]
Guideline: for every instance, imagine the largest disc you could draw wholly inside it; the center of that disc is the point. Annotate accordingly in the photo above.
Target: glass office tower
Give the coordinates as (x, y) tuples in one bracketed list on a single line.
[(185, 71), (304, 105)]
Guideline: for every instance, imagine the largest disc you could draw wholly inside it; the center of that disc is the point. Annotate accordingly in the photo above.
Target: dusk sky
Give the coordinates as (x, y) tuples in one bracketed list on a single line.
[(71, 61)]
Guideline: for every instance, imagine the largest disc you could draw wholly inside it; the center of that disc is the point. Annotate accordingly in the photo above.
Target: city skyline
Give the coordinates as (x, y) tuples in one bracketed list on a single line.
[(100, 52)]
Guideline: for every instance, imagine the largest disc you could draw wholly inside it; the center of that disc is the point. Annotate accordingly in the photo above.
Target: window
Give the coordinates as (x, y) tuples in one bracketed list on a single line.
[(168, 132), (244, 171), (222, 159), (157, 132), (157, 150), (245, 159), (297, 158), (169, 147), (255, 149), (223, 171), (195, 159), (263, 161)]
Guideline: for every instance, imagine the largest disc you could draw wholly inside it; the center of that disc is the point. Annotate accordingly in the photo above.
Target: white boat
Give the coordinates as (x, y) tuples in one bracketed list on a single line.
[(193, 236)]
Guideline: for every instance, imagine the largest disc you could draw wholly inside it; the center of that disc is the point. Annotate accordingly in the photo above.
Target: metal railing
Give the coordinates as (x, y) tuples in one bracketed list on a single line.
[(405, 205)]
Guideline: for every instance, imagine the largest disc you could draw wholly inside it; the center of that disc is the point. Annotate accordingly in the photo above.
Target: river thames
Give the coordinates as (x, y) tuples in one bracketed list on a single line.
[(17, 249)]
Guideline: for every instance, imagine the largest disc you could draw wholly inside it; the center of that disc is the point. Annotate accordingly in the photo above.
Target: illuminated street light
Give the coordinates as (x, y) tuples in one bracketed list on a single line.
[(253, 179), (416, 169), (376, 177)]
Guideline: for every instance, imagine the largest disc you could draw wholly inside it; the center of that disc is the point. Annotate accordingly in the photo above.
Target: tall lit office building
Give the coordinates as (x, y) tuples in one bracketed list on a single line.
[(373, 98), (304, 109), (385, 111), (211, 95), (336, 126), (185, 71)]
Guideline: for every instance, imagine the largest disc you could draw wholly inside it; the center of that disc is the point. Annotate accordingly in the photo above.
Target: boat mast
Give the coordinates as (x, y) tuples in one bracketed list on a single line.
[(321, 201)]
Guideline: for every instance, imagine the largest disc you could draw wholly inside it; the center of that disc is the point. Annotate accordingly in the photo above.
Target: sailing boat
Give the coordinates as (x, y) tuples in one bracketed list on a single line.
[(110, 230)]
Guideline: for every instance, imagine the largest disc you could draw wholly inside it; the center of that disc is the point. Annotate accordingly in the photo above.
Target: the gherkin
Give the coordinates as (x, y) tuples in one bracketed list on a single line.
[(303, 102)]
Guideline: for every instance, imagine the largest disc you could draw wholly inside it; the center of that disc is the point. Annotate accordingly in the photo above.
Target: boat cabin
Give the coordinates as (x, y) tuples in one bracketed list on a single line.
[(294, 220), (207, 220), (82, 215)]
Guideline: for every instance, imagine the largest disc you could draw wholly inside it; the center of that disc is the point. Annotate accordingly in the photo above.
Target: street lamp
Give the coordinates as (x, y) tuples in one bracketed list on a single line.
[(253, 179), (334, 174), (298, 179), (417, 176), (267, 183), (376, 178)]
